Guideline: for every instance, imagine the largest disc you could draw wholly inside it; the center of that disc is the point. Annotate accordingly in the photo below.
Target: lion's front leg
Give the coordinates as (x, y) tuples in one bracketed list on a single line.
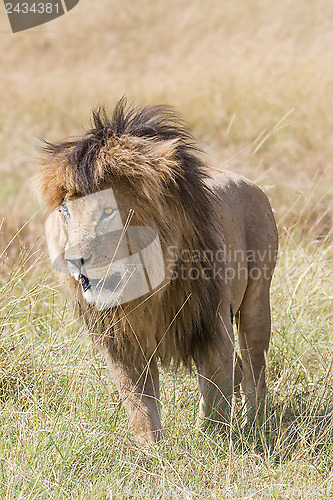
[(138, 387)]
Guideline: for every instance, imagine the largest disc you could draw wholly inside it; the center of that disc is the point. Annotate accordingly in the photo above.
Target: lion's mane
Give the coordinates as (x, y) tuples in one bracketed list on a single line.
[(149, 152)]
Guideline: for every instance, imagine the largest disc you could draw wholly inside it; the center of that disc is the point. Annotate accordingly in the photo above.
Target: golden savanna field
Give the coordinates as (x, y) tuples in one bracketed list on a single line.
[(254, 81)]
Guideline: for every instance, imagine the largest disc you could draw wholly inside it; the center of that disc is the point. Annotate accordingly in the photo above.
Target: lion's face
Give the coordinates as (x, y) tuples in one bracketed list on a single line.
[(114, 261)]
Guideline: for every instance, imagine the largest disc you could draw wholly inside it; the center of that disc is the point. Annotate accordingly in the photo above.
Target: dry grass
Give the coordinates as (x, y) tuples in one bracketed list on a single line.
[(254, 79)]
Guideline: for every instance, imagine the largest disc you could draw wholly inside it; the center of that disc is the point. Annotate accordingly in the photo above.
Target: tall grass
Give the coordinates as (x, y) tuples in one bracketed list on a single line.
[(65, 435)]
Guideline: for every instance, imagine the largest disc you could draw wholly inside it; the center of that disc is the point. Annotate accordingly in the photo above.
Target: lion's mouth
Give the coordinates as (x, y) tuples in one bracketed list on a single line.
[(110, 283), (84, 282)]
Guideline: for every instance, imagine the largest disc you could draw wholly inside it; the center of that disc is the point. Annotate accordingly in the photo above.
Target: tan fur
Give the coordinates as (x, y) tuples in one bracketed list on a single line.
[(156, 171)]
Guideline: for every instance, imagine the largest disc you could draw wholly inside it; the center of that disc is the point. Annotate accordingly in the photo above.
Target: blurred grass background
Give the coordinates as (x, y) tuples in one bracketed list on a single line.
[(254, 80)]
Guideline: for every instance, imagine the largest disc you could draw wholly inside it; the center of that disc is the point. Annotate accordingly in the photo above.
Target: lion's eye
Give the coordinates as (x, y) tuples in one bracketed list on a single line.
[(108, 212)]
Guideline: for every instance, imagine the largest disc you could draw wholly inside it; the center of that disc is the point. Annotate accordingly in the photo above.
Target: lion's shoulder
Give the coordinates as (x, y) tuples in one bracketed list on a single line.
[(242, 204), (236, 190)]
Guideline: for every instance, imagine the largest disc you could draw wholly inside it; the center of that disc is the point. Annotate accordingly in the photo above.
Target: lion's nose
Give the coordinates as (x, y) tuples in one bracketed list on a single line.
[(74, 266), (76, 262)]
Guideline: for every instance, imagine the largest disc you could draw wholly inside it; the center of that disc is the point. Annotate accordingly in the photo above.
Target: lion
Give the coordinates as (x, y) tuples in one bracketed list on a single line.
[(161, 254)]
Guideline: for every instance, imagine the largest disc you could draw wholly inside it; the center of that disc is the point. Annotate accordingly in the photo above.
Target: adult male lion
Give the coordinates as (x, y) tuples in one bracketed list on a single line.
[(159, 252)]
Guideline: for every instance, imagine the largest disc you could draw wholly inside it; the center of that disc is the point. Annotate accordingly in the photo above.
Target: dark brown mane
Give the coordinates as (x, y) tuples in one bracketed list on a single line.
[(193, 303)]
